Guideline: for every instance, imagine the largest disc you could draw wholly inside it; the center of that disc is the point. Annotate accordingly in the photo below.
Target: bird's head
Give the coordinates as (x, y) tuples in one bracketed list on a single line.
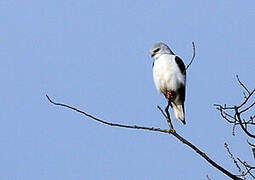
[(159, 49)]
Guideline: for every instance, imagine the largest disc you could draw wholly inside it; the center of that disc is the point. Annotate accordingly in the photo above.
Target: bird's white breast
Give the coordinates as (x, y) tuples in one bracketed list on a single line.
[(166, 73)]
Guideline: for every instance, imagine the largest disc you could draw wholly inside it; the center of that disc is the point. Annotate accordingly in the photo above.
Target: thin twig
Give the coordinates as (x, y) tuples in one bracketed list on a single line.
[(253, 145), (246, 89), (168, 118), (246, 99), (193, 56), (241, 123), (108, 123), (253, 148), (207, 176), (233, 114), (162, 111), (233, 158), (172, 132), (247, 167), (248, 107), (223, 107), (233, 131)]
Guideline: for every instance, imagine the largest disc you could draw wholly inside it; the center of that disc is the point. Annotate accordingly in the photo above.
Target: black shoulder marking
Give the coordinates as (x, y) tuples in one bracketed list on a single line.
[(153, 64), (180, 64)]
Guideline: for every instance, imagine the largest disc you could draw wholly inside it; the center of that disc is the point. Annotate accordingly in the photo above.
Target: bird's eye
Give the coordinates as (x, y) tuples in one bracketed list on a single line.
[(156, 50)]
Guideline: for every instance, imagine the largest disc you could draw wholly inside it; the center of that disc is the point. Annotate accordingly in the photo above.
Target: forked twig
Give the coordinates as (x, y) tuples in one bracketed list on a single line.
[(233, 114)]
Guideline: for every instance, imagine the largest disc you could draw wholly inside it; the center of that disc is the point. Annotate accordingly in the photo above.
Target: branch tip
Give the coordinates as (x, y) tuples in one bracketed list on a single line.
[(193, 56)]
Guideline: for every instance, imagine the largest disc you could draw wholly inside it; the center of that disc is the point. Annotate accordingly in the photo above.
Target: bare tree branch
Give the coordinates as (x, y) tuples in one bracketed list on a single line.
[(171, 131), (247, 98), (168, 118), (233, 114), (246, 89), (247, 167), (108, 123), (207, 176), (162, 111), (253, 145), (248, 107), (253, 151), (233, 158), (193, 56), (238, 115)]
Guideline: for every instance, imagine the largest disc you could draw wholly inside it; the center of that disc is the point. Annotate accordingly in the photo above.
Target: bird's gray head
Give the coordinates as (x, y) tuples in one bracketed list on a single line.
[(159, 49)]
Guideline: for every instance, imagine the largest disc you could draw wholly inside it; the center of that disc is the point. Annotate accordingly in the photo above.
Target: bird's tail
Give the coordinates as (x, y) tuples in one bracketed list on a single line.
[(179, 113)]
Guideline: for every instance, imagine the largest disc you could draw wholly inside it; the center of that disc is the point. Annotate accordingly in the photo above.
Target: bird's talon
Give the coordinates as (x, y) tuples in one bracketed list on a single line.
[(169, 94)]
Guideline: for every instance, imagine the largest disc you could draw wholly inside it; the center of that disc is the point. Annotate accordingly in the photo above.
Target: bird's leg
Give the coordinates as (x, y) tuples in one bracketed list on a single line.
[(169, 97)]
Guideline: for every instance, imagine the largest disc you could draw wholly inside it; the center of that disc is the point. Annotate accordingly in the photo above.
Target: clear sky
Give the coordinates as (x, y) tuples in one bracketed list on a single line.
[(95, 55)]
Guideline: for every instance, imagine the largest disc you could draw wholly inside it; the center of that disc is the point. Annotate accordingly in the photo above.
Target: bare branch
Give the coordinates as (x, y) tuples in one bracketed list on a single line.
[(168, 118), (246, 99), (207, 176), (233, 130), (223, 107), (193, 56), (253, 145), (108, 123), (248, 107), (246, 89), (162, 111), (247, 167), (241, 124), (171, 131), (233, 158), (233, 114)]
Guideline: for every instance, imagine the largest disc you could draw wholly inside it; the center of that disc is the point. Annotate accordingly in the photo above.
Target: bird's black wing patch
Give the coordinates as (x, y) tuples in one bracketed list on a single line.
[(181, 92), (180, 64), (153, 64)]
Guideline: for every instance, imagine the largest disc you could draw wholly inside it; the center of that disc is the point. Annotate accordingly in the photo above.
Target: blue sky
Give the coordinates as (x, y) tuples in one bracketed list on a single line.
[(94, 55)]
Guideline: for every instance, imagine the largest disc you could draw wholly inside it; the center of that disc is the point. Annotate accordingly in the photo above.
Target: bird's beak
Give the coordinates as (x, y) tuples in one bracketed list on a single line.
[(152, 53)]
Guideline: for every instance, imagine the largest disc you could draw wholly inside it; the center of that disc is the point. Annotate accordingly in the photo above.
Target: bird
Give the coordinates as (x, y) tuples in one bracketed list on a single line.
[(169, 75)]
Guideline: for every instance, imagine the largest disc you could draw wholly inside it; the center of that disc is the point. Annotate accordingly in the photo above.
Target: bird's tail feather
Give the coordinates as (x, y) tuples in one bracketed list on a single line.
[(179, 113)]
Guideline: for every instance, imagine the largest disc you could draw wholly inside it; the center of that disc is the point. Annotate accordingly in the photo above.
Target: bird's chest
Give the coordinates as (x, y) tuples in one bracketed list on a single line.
[(167, 75)]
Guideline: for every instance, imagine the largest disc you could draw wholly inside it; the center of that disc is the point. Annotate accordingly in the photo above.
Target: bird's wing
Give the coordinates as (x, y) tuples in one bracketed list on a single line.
[(181, 90), (180, 64)]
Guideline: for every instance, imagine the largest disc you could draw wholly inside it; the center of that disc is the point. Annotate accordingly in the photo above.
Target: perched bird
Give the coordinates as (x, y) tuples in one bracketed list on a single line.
[(169, 74)]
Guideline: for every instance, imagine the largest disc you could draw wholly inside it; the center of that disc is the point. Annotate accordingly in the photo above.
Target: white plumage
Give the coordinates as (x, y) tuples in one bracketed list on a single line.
[(169, 75), (166, 74)]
